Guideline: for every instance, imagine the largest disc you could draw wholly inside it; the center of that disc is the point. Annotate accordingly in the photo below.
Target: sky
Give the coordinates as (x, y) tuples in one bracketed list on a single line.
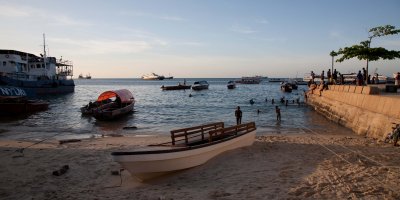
[(202, 38)]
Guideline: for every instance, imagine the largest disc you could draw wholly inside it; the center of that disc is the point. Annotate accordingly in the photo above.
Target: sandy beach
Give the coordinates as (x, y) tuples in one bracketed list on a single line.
[(297, 166)]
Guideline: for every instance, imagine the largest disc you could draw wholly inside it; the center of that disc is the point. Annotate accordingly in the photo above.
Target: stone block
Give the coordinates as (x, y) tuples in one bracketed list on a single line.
[(366, 90), (391, 88), (359, 89), (352, 88), (346, 88)]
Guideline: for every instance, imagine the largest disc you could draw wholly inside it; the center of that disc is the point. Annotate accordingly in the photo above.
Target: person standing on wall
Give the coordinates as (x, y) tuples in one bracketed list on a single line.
[(238, 115), (397, 79)]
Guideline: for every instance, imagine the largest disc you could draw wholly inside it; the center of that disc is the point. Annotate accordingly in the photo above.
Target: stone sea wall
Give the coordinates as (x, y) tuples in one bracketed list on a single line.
[(359, 108)]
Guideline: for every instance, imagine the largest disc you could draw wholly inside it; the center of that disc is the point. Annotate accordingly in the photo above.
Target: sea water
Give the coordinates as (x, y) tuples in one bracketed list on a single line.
[(157, 112)]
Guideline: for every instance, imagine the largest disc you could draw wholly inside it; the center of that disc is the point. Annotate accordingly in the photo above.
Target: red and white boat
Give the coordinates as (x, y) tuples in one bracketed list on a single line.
[(113, 104)]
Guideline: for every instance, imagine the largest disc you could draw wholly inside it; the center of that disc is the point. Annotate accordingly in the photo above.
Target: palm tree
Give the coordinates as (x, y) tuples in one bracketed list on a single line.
[(333, 54)]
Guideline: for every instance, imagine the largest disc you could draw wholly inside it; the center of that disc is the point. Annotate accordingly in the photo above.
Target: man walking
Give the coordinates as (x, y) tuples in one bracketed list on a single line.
[(238, 115)]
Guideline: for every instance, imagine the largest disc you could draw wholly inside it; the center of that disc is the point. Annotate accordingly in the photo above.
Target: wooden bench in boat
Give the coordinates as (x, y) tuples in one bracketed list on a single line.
[(230, 131), (189, 135)]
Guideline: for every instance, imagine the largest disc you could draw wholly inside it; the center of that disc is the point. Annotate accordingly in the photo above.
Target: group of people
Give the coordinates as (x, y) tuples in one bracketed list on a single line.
[(362, 78)]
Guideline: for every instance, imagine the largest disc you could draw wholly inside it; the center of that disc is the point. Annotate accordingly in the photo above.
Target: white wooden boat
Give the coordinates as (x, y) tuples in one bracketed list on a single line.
[(189, 147)]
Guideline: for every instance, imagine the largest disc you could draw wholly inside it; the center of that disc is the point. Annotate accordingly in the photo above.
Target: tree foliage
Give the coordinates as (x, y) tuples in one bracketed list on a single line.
[(363, 51)]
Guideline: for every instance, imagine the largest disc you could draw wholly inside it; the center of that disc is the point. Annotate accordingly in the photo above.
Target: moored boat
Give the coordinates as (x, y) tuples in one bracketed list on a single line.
[(200, 85), (37, 75), (176, 87), (189, 147), (249, 80), (286, 87), (14, 101), (231, 85), (121, 105)]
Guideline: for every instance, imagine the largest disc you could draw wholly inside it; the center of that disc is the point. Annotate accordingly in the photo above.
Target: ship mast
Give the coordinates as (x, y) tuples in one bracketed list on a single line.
[(44, 50)]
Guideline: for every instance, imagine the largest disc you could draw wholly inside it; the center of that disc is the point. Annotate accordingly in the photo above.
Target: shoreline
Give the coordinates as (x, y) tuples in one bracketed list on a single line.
[(276, 166)]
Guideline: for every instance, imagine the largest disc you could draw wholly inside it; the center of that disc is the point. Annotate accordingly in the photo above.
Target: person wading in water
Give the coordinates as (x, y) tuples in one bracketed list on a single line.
[(238, 115)]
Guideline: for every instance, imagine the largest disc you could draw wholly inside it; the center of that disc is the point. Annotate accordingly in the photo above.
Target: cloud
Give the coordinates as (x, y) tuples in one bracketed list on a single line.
[(150, 15), (262, 21), (102, 46), (52, 18), (335, 34), (195, 44), (242, 29), (10, 11)]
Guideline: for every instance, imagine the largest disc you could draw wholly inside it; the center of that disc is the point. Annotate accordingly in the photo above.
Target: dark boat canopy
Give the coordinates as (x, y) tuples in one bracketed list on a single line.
[(124, 94)]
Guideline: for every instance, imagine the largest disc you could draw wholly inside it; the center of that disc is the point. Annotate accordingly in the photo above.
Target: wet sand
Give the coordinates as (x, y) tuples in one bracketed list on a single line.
[(309, 165)]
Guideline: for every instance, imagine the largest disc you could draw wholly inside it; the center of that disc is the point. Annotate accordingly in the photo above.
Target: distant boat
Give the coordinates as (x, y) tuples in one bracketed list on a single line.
[(153, 76), (250, 80), (200, 85), (280, 80), (123, 104), (286, 87), (176, 87), (190, 147), (231, 85), (84, 77)]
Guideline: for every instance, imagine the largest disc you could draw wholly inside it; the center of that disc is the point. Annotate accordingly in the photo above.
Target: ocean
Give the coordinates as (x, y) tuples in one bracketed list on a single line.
[(157, 112)]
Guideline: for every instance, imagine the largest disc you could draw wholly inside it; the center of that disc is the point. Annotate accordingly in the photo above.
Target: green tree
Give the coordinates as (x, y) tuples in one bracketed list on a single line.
[(363, 51)]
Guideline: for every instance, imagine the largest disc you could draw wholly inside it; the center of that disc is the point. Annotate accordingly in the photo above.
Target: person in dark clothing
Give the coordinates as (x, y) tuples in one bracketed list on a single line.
[(360, 78), (322, 75), (118, 101), (238, 115), (364, 73), (334, 76), (278, 113), (329, 75)]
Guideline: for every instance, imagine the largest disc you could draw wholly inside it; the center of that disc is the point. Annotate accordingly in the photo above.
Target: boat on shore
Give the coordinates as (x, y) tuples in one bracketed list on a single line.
[(14, 101), (200, 85), (37, 75), (153, 76), (231, 85), (189, 147), (120, 102)]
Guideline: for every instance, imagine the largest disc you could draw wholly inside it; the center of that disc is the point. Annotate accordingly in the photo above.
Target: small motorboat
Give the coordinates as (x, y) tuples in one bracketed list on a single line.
[(286, 87), (200, 85), (121, 102), (231, 85), (189, 147), (176, 87)]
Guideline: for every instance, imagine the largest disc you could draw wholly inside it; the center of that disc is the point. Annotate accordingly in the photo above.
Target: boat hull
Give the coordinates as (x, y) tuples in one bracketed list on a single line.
[(28, 106), (110, 114), (147, 166), (177, 87), (41, 87)]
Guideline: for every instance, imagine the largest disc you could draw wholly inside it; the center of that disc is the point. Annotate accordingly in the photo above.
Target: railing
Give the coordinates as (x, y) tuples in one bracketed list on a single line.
[(196, 132), (233, 130)]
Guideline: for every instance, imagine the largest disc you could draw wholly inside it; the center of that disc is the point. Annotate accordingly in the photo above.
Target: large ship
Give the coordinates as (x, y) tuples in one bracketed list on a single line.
[(37, 75), (153, 76)]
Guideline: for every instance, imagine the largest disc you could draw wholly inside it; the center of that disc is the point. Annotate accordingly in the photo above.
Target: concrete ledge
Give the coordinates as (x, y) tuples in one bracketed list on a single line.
[(359, 89), (365, 114), (352, 88)]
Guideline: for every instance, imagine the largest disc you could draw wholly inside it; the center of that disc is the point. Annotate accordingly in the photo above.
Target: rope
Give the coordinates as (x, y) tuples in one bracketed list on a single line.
[(345, 160)]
